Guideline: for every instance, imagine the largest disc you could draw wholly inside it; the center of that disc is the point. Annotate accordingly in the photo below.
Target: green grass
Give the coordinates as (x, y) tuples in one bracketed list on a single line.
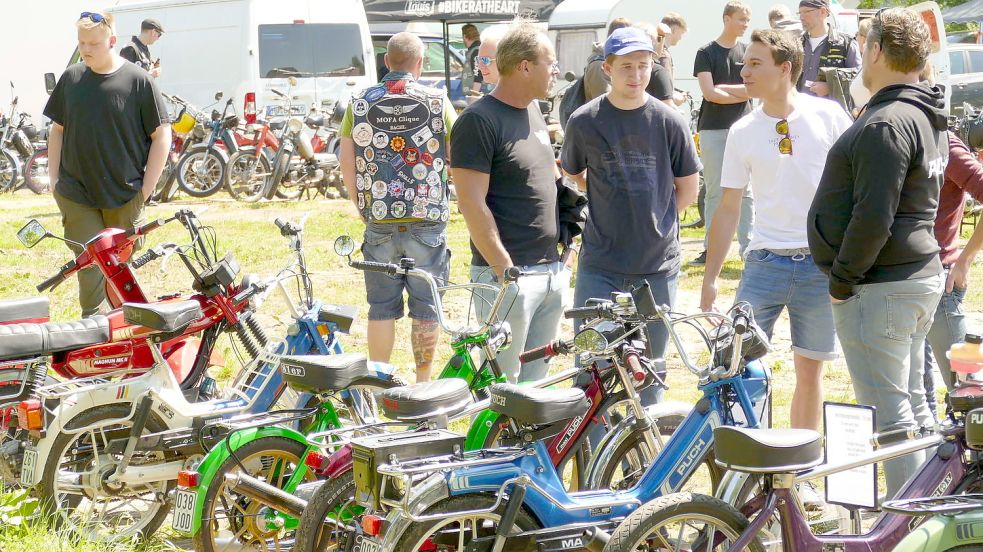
[(248, 232)]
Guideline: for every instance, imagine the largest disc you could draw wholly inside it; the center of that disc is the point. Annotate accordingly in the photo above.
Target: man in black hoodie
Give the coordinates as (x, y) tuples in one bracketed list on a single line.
[(870, 228)]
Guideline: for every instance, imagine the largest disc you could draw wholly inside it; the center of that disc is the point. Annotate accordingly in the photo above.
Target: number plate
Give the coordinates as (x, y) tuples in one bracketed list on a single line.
[(184, 511), (370, 545), (28, 467)]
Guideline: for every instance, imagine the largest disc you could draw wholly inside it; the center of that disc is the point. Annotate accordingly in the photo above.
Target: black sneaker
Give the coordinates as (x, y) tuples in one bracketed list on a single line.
[(700, 260)]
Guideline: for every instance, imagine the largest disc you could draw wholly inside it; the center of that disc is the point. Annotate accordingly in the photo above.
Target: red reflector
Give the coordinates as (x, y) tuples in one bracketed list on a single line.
[(249, 108), (30, 415), (371, 524), (315, 460), (187, 479)]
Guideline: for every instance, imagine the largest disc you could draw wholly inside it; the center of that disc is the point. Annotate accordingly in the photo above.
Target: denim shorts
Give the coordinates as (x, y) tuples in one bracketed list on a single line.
[(425, 243), (773, 282)]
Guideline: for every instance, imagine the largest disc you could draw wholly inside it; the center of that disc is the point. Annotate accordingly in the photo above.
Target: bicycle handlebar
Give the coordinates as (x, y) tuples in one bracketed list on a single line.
[(558, 347)]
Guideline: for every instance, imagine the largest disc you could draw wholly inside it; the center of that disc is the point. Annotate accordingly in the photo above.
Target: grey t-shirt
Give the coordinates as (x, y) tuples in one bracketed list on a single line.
[(631, 158)]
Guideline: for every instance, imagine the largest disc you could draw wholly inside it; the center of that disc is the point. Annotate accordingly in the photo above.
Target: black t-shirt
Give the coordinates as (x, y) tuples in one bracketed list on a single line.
[(660, 83), (724, 65), (138, 53), (512, 146), (632, 159), (107, 120)]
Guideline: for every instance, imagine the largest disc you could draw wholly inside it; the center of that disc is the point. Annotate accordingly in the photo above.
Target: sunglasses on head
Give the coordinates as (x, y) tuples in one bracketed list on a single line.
[(95, 17), (785, 144)]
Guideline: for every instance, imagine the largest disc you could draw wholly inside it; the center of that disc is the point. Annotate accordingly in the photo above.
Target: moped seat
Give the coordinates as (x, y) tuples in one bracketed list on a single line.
[(767, 450), (534, 406), (28, 308), (25, 340), (324, 373), (163, 317), (422, 401)]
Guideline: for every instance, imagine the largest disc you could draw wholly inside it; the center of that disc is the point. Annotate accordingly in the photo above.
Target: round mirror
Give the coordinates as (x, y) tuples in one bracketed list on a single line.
[(218, 96), (32, 233), (569, 76), (344, 245), (590, 340), (292, 81)]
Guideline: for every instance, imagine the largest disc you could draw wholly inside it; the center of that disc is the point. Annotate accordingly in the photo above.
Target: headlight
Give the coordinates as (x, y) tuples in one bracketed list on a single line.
[(294, 124)]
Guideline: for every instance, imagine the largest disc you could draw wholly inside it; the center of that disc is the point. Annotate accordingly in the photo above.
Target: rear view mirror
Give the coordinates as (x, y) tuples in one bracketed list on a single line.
[(590, 340), (569, 76), (49, 83), (218, 96), (32, 233), (344, 246)]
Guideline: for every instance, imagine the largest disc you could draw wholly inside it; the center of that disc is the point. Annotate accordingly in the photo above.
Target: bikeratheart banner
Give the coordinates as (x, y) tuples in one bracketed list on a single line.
[(457, 10)]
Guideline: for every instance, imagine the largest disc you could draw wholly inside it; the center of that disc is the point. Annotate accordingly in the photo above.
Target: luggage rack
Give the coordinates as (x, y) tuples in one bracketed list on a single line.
[(17, 375), (934, 505)]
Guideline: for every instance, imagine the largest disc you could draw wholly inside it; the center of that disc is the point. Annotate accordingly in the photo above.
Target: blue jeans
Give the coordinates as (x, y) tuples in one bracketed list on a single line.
[(532, 308), (712, 144), (597, 284), (425, 243), (948, 328), (771, 283), (882, 330)]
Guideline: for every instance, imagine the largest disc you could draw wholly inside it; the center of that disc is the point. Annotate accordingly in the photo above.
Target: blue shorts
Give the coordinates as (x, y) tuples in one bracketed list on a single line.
[(773, 282), (425, 243)]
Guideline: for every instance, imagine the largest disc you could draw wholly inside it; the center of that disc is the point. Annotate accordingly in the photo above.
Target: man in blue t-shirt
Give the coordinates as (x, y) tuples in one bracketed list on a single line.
[(634, 157)]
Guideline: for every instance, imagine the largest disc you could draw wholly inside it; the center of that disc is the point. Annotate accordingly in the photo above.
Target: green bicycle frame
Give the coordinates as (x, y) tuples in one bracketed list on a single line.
[(460, 365)]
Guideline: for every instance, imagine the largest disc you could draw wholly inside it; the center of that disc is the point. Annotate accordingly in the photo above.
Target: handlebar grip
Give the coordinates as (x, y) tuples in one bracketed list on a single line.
[(279, 223), (141, 230), (582, 313), (51, 282), (385, 268), (741, 324), (512, 274), (144, 259), (546, 351), (897, 436)]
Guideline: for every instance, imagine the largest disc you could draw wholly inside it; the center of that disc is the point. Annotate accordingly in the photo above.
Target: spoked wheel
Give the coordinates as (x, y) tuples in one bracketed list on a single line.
[(453, 532), (695, 218), (201, 172), (36, 172), (76, 488), (232, 521), (247, 175), (9, 171), (334, 500), (681, 522)]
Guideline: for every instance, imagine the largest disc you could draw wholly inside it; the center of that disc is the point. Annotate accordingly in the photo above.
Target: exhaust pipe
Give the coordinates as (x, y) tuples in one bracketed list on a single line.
[(265, 494)]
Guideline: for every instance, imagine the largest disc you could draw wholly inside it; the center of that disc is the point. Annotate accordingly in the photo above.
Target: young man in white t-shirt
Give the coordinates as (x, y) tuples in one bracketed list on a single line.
[(780, 150)]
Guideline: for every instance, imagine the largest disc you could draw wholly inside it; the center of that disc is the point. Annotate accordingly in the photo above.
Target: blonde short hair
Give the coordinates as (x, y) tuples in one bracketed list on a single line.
[(108, 21), (522, 42)]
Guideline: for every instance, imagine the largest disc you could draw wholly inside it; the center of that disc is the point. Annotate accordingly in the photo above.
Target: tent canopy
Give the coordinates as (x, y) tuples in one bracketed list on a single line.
[(964, 13), (460, 11)]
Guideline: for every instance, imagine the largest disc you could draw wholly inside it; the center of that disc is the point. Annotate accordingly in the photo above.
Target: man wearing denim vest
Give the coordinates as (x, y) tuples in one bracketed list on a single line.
[(394, 165)]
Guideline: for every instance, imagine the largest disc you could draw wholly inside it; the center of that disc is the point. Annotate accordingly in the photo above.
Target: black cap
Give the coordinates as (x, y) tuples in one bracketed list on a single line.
[(151, 24), (814, 4)]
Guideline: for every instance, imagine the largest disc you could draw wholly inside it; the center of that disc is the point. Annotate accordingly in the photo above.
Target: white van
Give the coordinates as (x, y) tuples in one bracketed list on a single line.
[(240, 46)]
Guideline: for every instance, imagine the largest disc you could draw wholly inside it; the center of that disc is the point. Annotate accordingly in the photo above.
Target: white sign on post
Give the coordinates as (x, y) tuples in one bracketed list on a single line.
[(849, 429)]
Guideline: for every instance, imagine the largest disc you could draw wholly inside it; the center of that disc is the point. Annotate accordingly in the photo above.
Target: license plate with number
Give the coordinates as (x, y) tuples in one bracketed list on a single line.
[(28, 467), (184, 511), (370, 545)]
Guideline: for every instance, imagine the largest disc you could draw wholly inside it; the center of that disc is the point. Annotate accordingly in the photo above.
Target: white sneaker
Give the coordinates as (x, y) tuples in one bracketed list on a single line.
[(812, 501)]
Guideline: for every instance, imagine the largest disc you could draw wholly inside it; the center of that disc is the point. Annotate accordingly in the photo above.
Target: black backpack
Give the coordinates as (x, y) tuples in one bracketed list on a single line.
[(575, 96)]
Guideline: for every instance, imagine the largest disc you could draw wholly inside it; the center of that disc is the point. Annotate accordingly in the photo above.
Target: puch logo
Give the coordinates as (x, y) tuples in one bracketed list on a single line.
[(571, 429), (165, 411), (936, 167), (422, 8), (498, 400), (694, 454), (940, 490), (976, 417)]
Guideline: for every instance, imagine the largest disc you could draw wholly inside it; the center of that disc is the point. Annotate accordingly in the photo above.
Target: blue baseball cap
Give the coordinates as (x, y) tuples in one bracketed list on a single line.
[(627, 40)]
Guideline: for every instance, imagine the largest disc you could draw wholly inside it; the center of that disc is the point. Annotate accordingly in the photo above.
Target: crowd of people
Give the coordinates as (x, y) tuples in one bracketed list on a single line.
[(850, 225)]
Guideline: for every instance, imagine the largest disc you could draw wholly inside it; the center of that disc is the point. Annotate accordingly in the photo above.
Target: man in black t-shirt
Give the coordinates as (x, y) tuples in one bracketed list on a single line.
[(718, 70), (138, 50), (472, 78), (505, 175), (107, 145)]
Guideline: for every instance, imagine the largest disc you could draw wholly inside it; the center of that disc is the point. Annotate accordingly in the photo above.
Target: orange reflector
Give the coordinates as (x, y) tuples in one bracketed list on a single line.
[(187, 478), (315, 460), (30, 415), (372, 525)]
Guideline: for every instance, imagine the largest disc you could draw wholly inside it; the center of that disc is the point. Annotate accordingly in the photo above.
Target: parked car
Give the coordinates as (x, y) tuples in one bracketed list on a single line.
[(966, 66), (433, 63)]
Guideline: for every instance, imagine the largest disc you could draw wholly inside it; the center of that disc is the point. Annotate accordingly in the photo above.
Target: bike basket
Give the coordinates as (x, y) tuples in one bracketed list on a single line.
[(23, 145), (184, 124), (368, 453), (974, 429)]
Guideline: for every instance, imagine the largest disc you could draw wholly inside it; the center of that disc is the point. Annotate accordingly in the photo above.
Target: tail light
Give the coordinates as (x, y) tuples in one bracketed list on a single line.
[(371, 524), (30, 415), (316, 461), (188, 479), (249, 108)]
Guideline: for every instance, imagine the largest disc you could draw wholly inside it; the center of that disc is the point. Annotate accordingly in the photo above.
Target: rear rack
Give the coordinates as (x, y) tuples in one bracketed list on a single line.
[(934, 505)]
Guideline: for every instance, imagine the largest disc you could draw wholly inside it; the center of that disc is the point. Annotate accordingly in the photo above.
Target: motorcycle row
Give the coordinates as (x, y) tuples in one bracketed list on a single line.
[(23, 152), (115, 423)]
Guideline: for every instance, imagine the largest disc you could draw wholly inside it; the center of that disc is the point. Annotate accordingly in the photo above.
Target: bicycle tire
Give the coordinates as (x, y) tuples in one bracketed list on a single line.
[(332, 495), (36, 172), (247, 175), (196, 185), (636, 528), (418, 533), (9, 171)]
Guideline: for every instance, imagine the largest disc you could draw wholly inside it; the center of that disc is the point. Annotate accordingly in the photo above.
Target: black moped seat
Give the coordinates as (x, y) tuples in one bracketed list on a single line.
[(163, 317), (767, 450), (534, 406), (324, 373), (27, 340), (28, 308), (426, 400)]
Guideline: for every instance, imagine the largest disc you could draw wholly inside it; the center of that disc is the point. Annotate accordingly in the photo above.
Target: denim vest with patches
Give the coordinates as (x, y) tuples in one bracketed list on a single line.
[(400, 157)]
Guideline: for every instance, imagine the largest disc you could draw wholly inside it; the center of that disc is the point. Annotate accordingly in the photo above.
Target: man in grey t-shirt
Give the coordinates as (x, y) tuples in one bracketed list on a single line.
[(634, 157)]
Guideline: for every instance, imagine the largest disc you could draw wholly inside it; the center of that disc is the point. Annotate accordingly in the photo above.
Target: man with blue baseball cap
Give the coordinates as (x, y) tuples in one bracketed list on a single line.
[(634, 157)]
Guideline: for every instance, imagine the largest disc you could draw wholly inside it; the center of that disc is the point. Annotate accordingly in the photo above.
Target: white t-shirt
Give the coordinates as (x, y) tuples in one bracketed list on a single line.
[(783, 185), (815, 41)]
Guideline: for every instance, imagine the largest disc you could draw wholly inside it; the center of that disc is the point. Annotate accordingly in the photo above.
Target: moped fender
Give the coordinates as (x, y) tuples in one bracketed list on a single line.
[(424, 495), (209, 465), (665, 415), (481, 427)]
